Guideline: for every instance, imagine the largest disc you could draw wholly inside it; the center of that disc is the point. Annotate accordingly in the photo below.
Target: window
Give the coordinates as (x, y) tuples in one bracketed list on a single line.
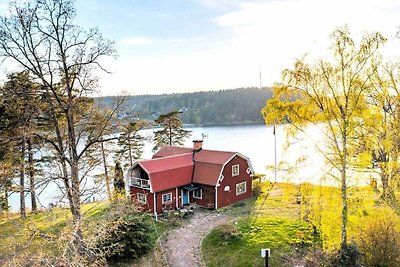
[(198, 193), (248, 170), (235, 170), (141, 198), (166, 198), (240, 188)]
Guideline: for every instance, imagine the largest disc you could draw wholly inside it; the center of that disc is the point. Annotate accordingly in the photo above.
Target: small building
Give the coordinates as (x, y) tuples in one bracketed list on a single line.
[(180, 176)]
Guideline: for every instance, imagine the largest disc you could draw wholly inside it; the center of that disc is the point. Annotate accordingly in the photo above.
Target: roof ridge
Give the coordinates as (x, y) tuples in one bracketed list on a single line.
[(167, 157), (224, 151), (203, 149)]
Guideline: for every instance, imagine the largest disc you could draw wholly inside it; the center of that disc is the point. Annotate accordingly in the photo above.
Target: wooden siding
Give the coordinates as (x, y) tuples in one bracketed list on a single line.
[(208, 198), (229, 197), (150, 200), (149, 206), (161, 207)]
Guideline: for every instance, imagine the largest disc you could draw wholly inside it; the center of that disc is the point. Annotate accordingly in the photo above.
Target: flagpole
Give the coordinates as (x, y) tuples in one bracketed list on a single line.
[(275, 150)]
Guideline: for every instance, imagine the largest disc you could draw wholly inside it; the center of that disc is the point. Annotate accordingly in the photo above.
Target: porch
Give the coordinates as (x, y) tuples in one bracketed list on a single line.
[(195, 195), (140, 183)]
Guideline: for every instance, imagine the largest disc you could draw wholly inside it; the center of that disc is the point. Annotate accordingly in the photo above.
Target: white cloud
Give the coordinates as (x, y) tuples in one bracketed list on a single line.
[(264, 34)]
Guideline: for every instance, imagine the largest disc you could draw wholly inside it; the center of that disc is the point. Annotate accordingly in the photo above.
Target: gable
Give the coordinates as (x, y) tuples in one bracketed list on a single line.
[(210, 169)]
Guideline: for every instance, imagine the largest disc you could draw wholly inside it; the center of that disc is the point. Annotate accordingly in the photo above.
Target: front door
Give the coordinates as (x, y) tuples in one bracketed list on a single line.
[(185, 197)]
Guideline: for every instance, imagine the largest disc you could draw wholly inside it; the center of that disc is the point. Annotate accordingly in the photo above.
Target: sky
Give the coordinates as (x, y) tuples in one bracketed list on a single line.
[(171, 46)]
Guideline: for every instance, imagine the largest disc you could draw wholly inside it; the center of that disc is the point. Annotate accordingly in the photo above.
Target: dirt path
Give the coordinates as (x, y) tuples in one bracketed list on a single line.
[(182, 245)]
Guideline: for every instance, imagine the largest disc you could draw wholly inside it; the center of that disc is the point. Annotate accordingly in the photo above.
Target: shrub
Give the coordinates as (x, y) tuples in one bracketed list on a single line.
[(256, 188), (125, 233), (346, 257), (379, 241)]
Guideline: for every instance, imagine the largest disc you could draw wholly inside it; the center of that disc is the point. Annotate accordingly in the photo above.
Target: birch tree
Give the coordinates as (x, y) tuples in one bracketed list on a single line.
[(381, 125), (331, 96)]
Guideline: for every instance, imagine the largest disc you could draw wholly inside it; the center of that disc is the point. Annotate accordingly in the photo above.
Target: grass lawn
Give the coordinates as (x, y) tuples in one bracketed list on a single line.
[(30, 236), (274, 220)]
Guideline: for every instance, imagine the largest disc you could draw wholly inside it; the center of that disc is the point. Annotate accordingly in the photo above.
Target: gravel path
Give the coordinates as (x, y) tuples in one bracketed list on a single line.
[(182, 245)]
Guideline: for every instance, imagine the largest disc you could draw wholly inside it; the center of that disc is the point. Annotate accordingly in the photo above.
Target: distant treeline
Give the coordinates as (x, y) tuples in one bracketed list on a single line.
[(237, 106)]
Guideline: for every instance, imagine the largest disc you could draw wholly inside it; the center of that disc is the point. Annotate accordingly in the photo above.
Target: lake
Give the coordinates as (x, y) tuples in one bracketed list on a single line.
[(301, 162)]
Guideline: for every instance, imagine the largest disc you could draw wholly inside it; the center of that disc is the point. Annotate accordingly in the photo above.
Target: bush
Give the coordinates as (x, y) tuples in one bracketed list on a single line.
[(256, 188), (126, 234), (380, 241), (346, 257)]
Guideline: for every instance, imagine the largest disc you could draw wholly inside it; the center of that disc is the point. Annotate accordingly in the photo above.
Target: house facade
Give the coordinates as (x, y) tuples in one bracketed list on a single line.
[(179, 176)]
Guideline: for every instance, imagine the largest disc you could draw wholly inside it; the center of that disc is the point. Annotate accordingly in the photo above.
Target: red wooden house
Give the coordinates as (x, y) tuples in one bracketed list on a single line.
[(179, 176)]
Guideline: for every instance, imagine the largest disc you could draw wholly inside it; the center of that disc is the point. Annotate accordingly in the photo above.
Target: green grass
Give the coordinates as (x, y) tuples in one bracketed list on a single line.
[(274, 220), (30, 235), (262, 222), (284, 237)]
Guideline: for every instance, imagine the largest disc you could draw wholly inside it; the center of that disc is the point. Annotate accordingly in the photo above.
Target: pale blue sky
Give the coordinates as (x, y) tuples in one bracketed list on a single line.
[(168, 46)]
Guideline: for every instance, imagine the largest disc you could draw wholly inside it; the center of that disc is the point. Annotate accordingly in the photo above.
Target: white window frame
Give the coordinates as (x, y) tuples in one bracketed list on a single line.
[(138, 195), (168, 201), (238, 186), (248, 170), (234, 168), (201, 193)]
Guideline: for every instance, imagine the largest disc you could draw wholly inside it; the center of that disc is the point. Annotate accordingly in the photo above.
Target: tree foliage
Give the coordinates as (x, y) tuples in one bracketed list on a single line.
[(127, 234), (21, 102), (379, 240), (381, 125), (331, 96), (119, 183), (131, 143), (224, 107), (172, 132), (41, 38)]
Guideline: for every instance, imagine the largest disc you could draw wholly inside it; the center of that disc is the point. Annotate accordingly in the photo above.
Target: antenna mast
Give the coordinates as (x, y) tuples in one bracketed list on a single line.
[(260, 79)]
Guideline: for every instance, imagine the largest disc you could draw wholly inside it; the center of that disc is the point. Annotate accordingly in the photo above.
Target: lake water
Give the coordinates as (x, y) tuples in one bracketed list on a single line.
[(301, 162)]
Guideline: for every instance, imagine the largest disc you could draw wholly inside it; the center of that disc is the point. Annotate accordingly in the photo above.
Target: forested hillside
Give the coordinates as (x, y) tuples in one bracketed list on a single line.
[(201, 108)]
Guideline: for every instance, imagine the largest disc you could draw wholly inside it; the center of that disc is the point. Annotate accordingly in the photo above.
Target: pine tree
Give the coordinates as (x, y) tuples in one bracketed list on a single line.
[(119, 183), (172, 133), (131, 143), (21, 103)]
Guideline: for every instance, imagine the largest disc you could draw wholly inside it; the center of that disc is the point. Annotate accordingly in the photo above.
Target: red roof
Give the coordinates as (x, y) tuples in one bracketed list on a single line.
[(169, 172), (208, 163), (172, 167), (171, 151)]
